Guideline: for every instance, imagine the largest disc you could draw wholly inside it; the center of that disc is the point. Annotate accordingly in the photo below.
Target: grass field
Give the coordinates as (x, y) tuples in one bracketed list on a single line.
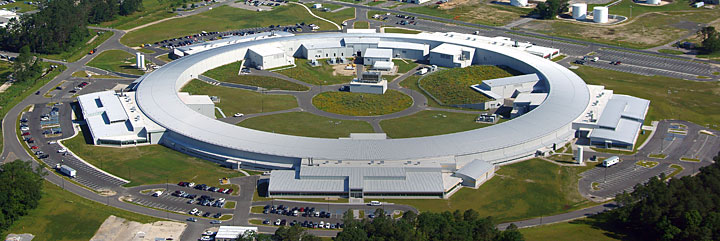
[(306, 124), (474, 11), (234, 100), (116, 61), (523, 190), (337, 17), (671, 51), (400, 30), (570, 231), (375, 3), (362, 104), (429, 123), (77, 52), (152, 164), (404, 65), (452, 86), (152, 10), (229, 73), (165, 58), (361, 24), (648, 164), (222, 19), (82, 74), (62, 215), (657, 155), (659, 25), (321, 75), (670, 98)]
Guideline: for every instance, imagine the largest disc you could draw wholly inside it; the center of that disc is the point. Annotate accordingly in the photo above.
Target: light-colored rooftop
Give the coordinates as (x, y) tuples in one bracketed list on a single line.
[(512, 80), (403, 45), (188, 99), (475, 169), (377, 53), (232, 232), (450, 49)]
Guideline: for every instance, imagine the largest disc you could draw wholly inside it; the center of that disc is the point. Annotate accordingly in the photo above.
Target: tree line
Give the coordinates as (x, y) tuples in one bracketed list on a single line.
[(20, 191), (710, 39), (61, 24), (679, 209)]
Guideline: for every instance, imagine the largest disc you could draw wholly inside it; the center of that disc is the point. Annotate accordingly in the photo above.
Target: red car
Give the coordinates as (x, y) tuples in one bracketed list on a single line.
[(221, 190), (26, 133), (229, 191), (34, 147)]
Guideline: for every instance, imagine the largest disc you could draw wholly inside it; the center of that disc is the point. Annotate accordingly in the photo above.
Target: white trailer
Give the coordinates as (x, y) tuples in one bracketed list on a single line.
[(611, 161), (66, 170)]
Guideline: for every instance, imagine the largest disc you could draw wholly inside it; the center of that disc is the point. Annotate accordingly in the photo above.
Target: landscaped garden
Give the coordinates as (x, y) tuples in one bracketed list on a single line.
[(230, 73), (452, 86), (362, 104), (306, 124), (429, 123), (233, 100)]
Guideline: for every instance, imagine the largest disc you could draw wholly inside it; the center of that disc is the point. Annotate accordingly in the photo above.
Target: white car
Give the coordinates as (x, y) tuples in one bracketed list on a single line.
[(194, 211), (277, 222), (24, 128), (62, 150), (52, 142), (375, 203), (157, 193), (239, 115), (192, 184)]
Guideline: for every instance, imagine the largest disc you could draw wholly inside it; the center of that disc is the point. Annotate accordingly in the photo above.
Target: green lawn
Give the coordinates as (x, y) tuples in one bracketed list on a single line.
[(671, 51), (361, 24), (76, 53), (82, 74), (306, 124), (337, 17), (429, 123), (648, 164), (152, 11), (474, 11), (362, 104), (375, 3), (452, 86), (670, 98), (570, 231), (400, 30), (62, 215), (234, 100), (222, 19), (20, 5), (321, 75), (165, 58), (519, 191), (404, 65), (116, 61), (151, 164), (229, 73)]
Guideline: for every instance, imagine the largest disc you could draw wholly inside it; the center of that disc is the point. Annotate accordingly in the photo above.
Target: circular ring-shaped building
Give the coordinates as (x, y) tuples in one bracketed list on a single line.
[(191, 132)]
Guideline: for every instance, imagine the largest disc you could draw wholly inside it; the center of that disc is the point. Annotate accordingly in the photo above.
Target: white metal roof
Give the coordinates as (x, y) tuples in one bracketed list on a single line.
[(321, 44), (450, 49), (188, 99), (531, 98), (625, 132), (623, 106), (233, 232), (403, 45), (266, 49), (383, 64), (157, 97), (369, 178), (475, 169), (377, 53), (512, 80)]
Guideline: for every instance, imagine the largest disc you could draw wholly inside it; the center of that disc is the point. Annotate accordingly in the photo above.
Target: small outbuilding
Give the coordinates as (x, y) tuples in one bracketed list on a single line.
[(476, 173), (373, 55)]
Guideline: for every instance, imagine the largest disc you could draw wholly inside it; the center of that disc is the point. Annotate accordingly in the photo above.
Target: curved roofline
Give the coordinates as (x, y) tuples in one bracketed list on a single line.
[(157, 98)]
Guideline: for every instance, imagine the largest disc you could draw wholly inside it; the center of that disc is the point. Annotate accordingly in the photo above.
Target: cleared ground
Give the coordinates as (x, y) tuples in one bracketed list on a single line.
[(222, 19), (337, 17), (452, 86), (523, 190), (56, 217), (234, 100), (20, 5), (429, 123), (321, 75), (120, 229), (229, 73), (474, 11), (362, 104), (152, 164), (116, 61), (306, 124), (670, 98), (400, 30)]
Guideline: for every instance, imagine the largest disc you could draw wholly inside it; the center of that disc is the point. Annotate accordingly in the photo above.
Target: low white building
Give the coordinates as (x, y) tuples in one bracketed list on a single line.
[(114, 119), (268, 57), (451, 56), (406, 50), (475, 173), (199, 47), (200, 103), (509, 87), (233, 233), (383, 65), (417, 1), (374, 54), (324, 49)]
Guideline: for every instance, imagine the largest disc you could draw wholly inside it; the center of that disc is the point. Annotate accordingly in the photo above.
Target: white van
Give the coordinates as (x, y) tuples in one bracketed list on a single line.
[(157, 193), (375, 203), (611, 161)]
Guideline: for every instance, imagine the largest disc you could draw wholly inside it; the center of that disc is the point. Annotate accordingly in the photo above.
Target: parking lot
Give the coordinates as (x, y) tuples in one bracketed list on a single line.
[(183, 199), (51, 153), (615, 179), (208, 36)]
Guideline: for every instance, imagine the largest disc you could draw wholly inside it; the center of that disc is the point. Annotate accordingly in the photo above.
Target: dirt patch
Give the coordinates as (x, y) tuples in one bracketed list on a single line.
[(106, 192), (454, 3), (339, 69), (119, 229), (530, 180)]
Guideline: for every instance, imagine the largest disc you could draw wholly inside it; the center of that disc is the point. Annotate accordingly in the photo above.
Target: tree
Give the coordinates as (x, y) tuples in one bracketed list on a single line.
[(511, 234), (26, 67), (550, 8), (710, 39), (293, 233), (20, 191)]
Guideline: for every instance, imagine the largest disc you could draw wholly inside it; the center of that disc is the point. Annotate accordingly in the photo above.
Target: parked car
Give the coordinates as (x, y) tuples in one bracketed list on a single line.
[(192, 219), (215, 222)]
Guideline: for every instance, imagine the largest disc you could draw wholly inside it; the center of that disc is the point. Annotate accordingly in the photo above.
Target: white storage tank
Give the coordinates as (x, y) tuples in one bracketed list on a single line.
[(579, 11), (519, 3), (655, 2), (600, 14)]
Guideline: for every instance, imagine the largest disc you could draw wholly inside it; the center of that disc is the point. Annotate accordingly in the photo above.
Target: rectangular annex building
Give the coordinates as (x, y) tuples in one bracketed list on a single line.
[(357, 182), (620, 122)]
